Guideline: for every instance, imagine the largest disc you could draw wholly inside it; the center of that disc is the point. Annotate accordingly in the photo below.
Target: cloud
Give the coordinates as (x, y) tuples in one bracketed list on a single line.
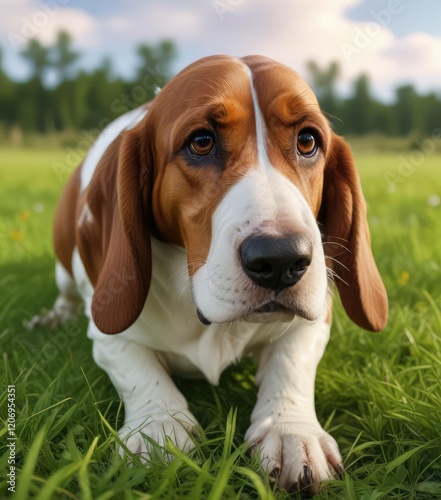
[(155, 21), (417, 54), (291, 32), (295, 32), (26, 19), (391, 61)]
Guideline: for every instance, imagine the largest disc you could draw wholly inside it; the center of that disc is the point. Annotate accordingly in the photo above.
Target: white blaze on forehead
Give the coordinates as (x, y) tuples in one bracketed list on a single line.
[(105, 139), (262, 152)]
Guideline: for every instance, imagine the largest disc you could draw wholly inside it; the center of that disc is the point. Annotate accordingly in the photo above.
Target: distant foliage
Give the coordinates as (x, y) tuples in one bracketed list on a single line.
[(80, 100), (410, 114)]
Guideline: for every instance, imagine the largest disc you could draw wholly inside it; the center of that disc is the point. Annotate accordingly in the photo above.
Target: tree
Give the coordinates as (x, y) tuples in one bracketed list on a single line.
[(33, 108), (408, 110), (101, 93), (432, 113), (63, 56), (359, 108), (38, 57), (7, 91), (324, 85), (62, 60), (155, 70)]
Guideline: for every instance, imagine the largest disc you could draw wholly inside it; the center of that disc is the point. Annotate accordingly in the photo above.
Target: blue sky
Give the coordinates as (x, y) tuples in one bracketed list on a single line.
[(417, 15), (395, 41)]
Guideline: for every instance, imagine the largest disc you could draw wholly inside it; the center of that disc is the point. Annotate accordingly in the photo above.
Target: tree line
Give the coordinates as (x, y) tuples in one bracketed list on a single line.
[(78, 100), (81, 100), (409, 114)]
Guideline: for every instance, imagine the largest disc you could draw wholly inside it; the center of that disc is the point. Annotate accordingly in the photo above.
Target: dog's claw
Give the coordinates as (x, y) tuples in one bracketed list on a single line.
[(275, 473), (339, 471)]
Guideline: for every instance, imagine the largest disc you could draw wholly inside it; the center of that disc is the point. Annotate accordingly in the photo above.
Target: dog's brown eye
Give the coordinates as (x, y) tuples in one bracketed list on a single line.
[(306, 143), (202, 144)]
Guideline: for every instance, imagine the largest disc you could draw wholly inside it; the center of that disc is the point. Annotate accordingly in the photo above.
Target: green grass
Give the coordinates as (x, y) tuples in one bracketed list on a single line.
[(378, 394)]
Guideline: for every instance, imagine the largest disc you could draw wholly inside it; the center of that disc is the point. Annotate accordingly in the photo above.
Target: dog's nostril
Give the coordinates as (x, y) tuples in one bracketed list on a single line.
[(260, 267), (276, 263), (300, 265)]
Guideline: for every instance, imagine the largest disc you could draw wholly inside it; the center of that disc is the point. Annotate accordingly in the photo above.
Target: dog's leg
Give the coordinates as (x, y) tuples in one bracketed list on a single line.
[(292, 445), (66, 307), (153, 405)]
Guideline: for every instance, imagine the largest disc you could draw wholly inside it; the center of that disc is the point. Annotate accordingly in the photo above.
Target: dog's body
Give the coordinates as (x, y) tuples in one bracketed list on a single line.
[(190, 231)]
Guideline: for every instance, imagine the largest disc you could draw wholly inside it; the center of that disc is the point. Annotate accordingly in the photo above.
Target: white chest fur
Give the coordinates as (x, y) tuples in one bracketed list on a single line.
[(169, 325)]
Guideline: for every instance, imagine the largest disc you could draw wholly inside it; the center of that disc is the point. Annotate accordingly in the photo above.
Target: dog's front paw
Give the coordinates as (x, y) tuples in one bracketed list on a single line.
[(146, 436), (297, 457)]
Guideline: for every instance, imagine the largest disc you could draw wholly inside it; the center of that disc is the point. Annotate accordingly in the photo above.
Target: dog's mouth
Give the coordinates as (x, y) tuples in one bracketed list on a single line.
[(271, 307), (265, 311), (202, 318)]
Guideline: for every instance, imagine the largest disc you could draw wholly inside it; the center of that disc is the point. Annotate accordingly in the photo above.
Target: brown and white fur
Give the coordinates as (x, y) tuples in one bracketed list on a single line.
[(151, 236)]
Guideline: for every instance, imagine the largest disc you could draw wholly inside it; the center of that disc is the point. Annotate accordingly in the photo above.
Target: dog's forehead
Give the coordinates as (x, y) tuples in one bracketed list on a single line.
[(272, 75), (224, 79), (279, 89), (206, 82)]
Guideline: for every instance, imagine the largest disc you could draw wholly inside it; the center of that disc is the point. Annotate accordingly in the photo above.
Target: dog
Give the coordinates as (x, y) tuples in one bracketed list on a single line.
[(209, 224)]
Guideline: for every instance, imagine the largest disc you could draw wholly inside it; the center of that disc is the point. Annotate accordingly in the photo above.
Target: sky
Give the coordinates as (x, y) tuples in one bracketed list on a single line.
[(395, 41)]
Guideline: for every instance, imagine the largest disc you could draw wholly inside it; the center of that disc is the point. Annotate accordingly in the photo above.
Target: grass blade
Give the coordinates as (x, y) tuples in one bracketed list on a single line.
[(404, 457), (24, 482)]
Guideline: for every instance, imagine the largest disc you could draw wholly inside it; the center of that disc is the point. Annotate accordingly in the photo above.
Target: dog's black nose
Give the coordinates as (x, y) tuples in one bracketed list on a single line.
[(276, 263)]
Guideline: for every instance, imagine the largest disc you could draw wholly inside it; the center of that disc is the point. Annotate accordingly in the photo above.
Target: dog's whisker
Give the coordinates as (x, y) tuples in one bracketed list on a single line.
[(338, 262), (337, 244), (334, 274)]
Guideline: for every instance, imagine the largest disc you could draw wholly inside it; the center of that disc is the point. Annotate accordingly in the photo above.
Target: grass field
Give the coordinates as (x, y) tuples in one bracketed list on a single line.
[(378, 394)]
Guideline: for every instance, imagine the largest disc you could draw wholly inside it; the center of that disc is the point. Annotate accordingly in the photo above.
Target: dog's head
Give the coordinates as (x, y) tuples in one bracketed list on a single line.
[(236, 163)]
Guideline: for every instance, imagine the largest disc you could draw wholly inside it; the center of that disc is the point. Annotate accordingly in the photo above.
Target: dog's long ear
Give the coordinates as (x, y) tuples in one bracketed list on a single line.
[(124, 279), (347, 241)]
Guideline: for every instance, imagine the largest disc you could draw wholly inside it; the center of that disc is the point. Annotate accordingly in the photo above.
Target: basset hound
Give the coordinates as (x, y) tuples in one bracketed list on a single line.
[(210, 224)]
